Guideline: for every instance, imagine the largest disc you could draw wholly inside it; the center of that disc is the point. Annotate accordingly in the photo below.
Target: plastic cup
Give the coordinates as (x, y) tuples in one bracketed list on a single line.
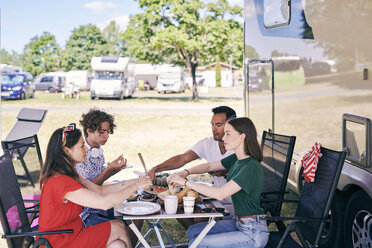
[(171, 204), (188, 204)]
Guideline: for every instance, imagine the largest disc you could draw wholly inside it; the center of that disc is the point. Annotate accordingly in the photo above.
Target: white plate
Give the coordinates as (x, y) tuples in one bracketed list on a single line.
[(139, 208)]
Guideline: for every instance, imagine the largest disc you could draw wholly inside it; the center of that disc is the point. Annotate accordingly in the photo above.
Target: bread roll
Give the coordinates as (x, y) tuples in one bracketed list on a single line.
[(193, 194), (182, 193)]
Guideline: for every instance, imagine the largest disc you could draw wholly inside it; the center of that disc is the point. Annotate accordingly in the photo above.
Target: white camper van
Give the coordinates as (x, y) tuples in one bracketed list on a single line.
[(170, 79), (113, 77), (80, 78)]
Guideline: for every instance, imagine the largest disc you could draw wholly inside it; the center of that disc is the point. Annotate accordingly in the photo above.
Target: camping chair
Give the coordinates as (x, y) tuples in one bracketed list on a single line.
[(13, 215), (277, 157), (23, 136), (314, 204)]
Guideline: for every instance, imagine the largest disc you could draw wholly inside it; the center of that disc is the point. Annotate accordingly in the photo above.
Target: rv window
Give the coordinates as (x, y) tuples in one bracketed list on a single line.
[(276, 13)]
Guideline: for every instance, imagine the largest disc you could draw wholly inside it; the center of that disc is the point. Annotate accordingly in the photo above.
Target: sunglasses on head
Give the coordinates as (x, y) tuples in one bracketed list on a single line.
[(208, 210)]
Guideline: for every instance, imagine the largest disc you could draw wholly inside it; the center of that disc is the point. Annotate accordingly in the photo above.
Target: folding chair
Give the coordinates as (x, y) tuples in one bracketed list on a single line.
[(13, 215), (277, 157), (312, 212), (23, 136)]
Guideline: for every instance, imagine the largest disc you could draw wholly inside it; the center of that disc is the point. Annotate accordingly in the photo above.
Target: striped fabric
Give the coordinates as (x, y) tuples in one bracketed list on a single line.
[(310, 162)]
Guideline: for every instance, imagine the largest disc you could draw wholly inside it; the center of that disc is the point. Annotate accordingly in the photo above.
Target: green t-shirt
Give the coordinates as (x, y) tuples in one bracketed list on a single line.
[(248, 174)]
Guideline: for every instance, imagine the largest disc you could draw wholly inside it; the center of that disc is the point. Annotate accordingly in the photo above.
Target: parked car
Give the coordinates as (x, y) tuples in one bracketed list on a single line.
[(49, 83), (17, 86), (255, 83)]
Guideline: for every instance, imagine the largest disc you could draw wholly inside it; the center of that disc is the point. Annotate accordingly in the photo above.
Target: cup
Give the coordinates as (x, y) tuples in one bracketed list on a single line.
[(188, 204), (171, 204)]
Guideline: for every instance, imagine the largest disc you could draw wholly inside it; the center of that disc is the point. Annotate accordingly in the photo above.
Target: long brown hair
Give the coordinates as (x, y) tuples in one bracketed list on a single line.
[(57, 160), (251, 145)]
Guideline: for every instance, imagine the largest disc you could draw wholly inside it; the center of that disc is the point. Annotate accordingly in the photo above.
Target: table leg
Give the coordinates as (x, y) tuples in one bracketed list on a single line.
[(138, 234), (165, 234), (206, 229), (161, 243)]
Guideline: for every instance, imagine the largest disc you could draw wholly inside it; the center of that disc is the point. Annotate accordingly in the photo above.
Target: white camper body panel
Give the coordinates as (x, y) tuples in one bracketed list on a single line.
[(80, 78), (113, 77), (170, 79)]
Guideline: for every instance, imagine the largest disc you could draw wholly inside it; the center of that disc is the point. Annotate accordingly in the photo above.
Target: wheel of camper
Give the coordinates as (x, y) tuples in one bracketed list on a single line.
[(52, 90), (358, 221), (332, 234)]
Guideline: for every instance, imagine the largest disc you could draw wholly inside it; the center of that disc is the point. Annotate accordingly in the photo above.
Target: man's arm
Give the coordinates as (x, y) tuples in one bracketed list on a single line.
[(173, 163)]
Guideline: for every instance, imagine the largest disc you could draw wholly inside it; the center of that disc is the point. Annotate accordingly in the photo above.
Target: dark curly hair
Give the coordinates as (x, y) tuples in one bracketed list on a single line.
[(93, 120)]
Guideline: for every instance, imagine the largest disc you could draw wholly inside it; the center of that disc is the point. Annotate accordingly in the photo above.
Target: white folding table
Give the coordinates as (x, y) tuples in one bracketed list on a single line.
[(159, 230)]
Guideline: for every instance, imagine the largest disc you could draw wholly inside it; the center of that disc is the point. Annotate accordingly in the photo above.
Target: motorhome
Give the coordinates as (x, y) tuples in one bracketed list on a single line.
[(315, 58), (113, 77), (4, 68), (170, 79), (79, 78)]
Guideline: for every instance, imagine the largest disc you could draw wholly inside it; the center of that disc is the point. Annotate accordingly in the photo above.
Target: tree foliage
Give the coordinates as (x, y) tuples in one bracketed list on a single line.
[(8, 58), (84, 43), (41, 54), (187, 33), (112, 34)]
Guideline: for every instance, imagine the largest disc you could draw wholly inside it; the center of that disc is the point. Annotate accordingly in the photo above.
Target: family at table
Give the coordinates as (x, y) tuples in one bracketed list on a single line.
[(73, 195)]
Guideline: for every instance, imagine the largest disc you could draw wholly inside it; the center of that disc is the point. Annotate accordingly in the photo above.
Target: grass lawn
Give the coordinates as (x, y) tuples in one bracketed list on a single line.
[(160, 126)]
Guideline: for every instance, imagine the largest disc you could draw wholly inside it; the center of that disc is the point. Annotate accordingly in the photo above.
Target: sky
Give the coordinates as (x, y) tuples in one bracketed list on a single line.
[(21, 20)]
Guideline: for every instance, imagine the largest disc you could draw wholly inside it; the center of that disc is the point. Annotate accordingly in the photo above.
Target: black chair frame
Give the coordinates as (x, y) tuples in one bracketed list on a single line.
[(13, 215), (312, 213), (278, 151)]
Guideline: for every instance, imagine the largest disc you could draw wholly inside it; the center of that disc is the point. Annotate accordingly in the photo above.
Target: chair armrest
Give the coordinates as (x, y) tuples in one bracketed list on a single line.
[(273, 192), (26, 234), (33, 201), (30, 211), (280, 200), (296, 219)]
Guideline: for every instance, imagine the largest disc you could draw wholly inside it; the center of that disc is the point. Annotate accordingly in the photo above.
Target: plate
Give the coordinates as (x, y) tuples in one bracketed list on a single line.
[(139, 208)]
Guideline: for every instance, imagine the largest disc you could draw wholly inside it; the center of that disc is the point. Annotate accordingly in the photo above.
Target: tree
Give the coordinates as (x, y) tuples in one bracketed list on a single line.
[(84, 43), (112, 34), (218, 71), (12, 58), (41, 54), (179, 32)]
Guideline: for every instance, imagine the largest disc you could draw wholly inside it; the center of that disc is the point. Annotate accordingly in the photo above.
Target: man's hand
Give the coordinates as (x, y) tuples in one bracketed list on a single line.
[(220, 173), (151, 174), (143, 183), (117, 165), (176, 179)]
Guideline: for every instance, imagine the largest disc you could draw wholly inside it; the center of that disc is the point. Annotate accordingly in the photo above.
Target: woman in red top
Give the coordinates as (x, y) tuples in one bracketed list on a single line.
[(64, 193)]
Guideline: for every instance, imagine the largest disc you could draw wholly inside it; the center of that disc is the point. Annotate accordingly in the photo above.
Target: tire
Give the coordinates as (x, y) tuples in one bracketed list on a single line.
[(33, 94), (22, 96), (332, 234), (358, 221), (52, 90)]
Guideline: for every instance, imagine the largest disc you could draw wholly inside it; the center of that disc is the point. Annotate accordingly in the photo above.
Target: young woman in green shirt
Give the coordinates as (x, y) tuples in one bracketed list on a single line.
[(244, 182)]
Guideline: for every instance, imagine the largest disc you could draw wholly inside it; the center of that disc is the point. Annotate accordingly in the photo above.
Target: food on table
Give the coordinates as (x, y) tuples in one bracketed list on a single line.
[(182, 193), (148, 197), (132, 197), (161, 179), (158, 189), (193, 194)]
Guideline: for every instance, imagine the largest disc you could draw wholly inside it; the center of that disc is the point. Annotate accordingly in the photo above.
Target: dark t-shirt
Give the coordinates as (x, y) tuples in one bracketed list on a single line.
[(248, 174)]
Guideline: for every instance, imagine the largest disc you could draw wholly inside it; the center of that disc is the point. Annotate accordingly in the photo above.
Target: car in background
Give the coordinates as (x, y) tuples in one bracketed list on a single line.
[(17, 86), (255, 83), (49, 83)]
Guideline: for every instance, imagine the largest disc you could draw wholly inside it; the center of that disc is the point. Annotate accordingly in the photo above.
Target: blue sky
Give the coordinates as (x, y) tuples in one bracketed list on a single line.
[(22, 20)]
